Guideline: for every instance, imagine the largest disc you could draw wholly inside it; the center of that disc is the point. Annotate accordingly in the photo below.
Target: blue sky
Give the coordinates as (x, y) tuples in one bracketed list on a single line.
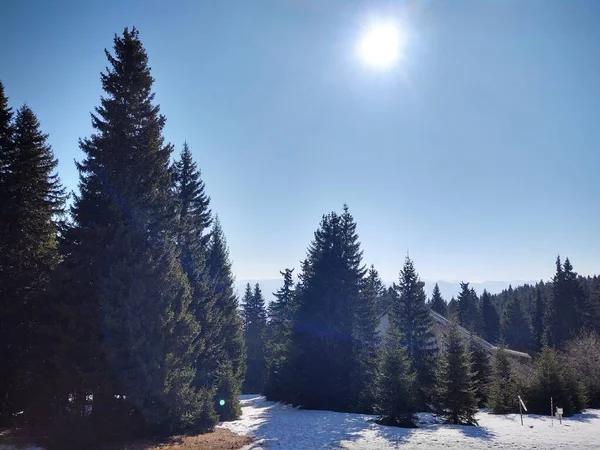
[(479, 153)]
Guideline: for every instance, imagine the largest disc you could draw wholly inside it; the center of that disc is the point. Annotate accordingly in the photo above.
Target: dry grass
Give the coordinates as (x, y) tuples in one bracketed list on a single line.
[(219, 439)]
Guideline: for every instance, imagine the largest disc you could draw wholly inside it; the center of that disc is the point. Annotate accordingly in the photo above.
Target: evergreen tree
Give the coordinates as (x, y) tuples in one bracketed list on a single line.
[(437, 303), (228, 343), (516, 331), (125, 296), (456, 398), (594, 305), (322, 351), (468, 310), (490, 318), (537, 317), (279, 330), (255, 322), (414, 322), (502, 395), (396, 382), (367, 339), (386, 300), (551, 379), (453, 309), (481, 371), (32, 198)]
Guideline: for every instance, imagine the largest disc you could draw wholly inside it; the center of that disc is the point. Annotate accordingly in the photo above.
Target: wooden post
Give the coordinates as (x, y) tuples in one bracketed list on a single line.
[(521, 412), (551, 412)]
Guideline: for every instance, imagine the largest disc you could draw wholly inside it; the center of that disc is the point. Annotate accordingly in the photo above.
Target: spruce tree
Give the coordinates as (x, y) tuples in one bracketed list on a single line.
[(516, 330), (437, 303), (502, 394), (396, 400), (386, 301), (490, 319), (228, 343), (32, 200), (322, 351), (566, 313), (537, 317), (414, 322), (121, 271), (468, 310), (481, 371), (367, 339), (279, 330), (255, 323), (453, 309), (194, 221), (456, 398), (6, 150)]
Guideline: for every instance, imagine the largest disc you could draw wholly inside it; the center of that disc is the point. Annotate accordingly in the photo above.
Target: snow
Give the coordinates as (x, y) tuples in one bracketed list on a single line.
[(274, 425)]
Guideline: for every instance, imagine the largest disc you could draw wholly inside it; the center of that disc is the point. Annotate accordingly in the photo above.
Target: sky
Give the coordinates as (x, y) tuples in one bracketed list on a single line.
[(477, 153)]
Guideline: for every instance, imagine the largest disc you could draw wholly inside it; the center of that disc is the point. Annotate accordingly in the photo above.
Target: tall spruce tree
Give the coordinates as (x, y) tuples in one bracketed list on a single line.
[(6, 149), (396, 399), (386, 300), (322, 351), (537, 317), (437, 303), (414, 322), (566, 313), (255, 323), (367, 339), (516, 330), (32, 199), (490, 319), (122, 275), (453, 309), (456, 398), (279, 332), (228, 343), (468, 310)]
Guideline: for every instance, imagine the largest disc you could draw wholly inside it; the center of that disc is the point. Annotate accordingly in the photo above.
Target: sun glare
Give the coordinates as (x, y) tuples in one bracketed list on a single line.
[(382, 44)]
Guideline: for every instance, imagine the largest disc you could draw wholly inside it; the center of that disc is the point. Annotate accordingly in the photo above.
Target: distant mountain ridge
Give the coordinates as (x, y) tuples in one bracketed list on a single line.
[(448, 289)]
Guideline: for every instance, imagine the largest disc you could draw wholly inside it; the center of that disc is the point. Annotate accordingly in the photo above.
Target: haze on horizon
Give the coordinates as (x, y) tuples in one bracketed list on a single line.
[(478, 152)]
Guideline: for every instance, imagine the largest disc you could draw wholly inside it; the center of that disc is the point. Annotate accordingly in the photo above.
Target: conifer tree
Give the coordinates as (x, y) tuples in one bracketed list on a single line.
[(502, 395), (490, 319), (456, 399), (551, 379), (567, 312), (367, 339), (279, 331), (396, 382), (322, 351), (385, 301), (32, 198), (415, 325), (255, 322), (594, 305), (481, 371), (437, 303), (453, 309), (537, 318), (468, 310), (121, 271), (228, 343), (516, 330)]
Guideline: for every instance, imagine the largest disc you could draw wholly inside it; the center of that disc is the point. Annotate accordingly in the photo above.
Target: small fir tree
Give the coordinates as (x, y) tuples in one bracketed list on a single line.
[(502, 395), (255, 322), (456, 398), (491, 319), (437, 303)]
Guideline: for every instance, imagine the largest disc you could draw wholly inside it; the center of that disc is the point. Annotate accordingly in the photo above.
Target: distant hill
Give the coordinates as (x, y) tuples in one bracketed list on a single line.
[(447, 288)]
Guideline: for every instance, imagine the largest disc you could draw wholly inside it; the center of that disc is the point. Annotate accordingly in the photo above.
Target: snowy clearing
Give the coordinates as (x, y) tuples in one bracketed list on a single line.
[(274, 425)]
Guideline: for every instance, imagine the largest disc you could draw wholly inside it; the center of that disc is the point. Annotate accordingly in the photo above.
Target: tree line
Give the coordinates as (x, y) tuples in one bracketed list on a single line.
[(118, 316), (319, 345)]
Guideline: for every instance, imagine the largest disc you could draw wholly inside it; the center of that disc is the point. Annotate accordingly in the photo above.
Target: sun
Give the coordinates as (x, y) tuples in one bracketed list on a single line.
[(382, 44)]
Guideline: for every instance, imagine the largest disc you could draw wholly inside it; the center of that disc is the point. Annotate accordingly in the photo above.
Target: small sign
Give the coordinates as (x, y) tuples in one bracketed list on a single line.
[(559, 411)]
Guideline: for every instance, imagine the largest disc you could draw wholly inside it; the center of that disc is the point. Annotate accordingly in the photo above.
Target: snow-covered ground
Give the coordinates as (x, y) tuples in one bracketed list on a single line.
[(274, 425)]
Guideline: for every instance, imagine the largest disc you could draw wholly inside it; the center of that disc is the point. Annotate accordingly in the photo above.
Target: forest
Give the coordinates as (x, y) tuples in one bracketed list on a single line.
[(119, 317)]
